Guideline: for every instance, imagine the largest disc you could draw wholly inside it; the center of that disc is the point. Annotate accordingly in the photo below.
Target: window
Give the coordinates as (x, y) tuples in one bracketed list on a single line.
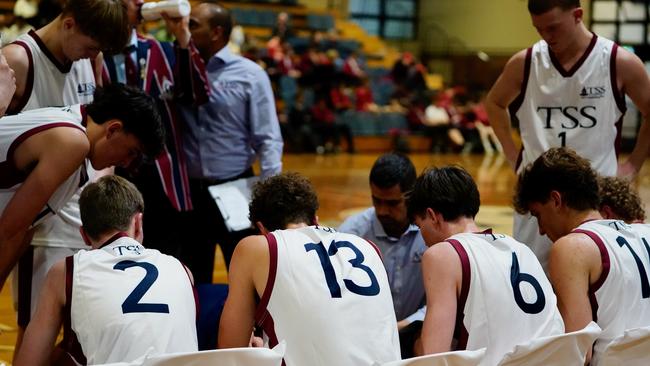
[(390, 19)]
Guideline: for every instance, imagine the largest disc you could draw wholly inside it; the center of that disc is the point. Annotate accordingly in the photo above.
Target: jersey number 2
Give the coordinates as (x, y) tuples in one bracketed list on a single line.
[(132, 303), (517, 278), (330, 274)]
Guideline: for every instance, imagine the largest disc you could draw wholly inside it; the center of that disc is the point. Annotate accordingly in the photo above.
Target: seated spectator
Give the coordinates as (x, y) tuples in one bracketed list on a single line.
[(363, 98), (328, 129), (282, 28)]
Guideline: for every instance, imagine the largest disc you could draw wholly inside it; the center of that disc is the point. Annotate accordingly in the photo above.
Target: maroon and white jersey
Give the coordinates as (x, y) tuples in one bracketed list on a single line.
[(14, 130), (620, 298), (505, 298), (124, 301), (50, 83), (580, 108), (328, 297)]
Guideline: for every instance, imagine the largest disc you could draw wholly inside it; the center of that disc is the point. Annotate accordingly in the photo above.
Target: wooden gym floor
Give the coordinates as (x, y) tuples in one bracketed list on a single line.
[(342, 185)]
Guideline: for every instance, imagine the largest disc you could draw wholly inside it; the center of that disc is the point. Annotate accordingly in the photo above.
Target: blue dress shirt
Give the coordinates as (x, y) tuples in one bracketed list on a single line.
[(239, 122), (402, 258)]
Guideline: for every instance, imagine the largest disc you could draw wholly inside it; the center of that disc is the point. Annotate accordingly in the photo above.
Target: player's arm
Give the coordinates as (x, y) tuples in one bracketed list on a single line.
[(634, 81), (7, 84), (18, 61), (238, 316), (98, 65), (503, 92), (574, 264), (442, 276), (54, 154), (40, 336)]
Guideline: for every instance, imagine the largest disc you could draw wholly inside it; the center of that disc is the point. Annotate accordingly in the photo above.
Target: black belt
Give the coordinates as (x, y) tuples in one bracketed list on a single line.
[(207, 182)]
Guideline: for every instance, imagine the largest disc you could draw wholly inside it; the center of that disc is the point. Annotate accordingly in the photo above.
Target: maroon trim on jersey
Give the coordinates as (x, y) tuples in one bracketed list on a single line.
[(618, 96), (197, 304), (70, 343), (464, 292), (64, 68), (113, 238), (376, 249), (617, 140), (268, 325), (84, 115), (29, 83), (261, 313), (520, 158), (9, 173), (516, 104), (576, 66), (604, 260), (25, 272)]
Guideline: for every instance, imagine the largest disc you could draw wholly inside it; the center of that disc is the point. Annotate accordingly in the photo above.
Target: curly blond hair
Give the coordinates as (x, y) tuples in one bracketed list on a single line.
[(624, 202)]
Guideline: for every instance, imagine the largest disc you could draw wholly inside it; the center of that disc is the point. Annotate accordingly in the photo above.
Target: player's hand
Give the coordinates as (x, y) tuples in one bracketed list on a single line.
[(627, 170), (255, 342), (179, 27), (7, 84)]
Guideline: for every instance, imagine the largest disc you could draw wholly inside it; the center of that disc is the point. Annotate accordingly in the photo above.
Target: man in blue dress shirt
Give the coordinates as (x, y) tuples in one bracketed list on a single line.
[(387, 225), (225, 134)]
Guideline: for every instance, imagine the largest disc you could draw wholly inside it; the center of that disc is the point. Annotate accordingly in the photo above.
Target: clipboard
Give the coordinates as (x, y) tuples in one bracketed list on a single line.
[(232, 199)]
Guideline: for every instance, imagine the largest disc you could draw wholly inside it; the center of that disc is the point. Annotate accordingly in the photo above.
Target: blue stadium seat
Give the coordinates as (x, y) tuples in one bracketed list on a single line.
[(211, 301)]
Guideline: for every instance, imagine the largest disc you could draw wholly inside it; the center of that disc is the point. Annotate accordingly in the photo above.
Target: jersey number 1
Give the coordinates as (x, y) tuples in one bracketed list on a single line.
[(330, 274), (132, 303), (645, 286)]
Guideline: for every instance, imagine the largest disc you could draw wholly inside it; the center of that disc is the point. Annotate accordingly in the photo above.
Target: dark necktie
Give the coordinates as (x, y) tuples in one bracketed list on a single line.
[(130, 67)]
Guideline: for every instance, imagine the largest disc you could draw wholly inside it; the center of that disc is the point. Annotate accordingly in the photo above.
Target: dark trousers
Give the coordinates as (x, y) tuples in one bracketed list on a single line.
[(205, 227), (162, 223)]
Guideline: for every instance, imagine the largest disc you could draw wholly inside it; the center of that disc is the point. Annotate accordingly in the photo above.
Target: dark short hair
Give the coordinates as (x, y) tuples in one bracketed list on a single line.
[(391, 169), (539, 7), (283, 199), (449, 190), (558, 169), (617, 193), (220, 17), (109, 204), (137, 111), (105, 21)]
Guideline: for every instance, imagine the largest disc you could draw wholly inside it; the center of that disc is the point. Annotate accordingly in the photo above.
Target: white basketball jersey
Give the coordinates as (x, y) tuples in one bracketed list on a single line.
[(51, 84), (506, 298), (328, 297), (580, 108), (16, 129), (127, 301), (620, 298)]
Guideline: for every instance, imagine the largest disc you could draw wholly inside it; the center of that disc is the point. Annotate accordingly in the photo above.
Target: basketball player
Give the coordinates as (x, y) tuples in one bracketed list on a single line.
[(44, 155), (53, 64), (120, 301), (325, 293), (568, 90), (618, 200), (488, 287), (53, 68), (598, 267)]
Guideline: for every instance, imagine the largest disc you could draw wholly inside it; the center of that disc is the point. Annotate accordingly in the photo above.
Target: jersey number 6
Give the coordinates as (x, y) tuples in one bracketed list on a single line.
[(517, 278)]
